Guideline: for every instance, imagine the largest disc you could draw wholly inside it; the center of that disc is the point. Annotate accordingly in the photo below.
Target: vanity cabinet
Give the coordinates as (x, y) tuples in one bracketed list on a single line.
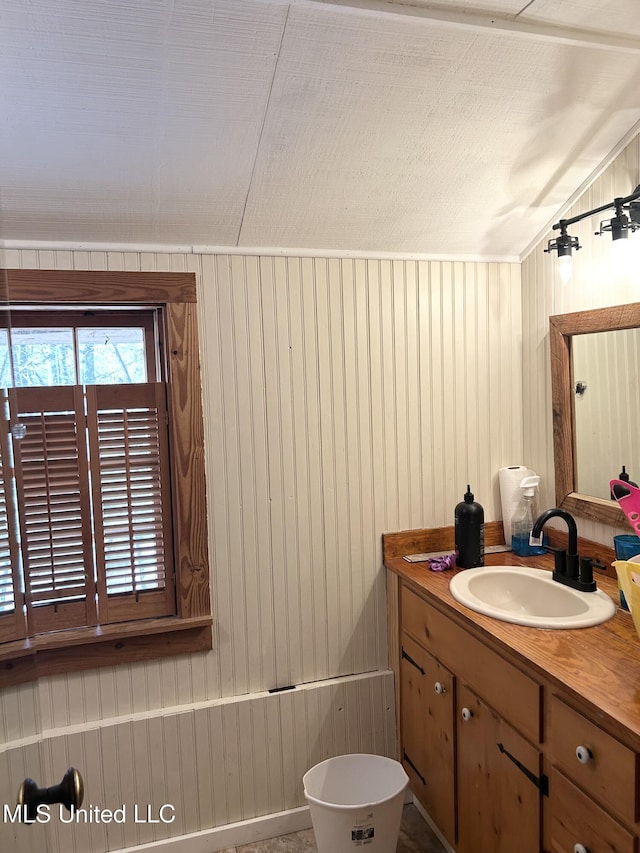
[(543, 726), (499, 751), (470, 724)]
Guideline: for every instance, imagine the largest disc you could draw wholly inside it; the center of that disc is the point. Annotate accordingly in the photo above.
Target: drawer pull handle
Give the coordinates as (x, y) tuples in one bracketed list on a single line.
[(580, 848), (467, 714), (414, 768), (439, 688), (542, 782), (583, 754), (408, 658)]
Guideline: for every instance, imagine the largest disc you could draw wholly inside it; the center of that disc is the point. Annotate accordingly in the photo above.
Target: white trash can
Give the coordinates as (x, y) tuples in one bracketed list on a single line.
[(356, 802)]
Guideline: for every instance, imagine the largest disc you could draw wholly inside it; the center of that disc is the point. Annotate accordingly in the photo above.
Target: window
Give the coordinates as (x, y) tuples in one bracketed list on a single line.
[(102, 519), (87, 480)]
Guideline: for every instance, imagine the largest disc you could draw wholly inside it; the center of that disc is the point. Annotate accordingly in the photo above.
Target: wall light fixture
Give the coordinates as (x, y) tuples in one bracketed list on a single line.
[(626, 220)]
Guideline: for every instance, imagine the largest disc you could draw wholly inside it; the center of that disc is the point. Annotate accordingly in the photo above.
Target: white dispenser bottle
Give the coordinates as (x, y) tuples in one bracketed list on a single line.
[(524, 519), (509, 478)]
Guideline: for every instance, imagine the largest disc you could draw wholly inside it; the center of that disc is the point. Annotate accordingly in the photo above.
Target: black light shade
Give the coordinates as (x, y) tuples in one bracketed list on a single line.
[(618, 226), (563, 245)]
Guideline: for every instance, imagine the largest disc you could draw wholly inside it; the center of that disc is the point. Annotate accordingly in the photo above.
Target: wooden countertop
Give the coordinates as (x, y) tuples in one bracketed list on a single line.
[(600, 666)]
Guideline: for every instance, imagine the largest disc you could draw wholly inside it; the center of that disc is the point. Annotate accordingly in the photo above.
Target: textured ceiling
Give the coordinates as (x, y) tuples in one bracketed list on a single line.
[(456, 129)]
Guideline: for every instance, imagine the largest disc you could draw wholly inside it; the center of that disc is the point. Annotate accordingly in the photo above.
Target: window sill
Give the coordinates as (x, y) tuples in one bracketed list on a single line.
[(108, 645)]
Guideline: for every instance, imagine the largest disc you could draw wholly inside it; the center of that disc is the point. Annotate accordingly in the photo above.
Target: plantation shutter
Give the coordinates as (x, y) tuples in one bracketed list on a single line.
[(128, 444), (13, 625), (52, 485)]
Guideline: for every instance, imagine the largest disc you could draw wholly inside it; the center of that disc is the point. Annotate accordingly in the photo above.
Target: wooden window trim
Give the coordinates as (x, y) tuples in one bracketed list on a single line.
[(190, 630)]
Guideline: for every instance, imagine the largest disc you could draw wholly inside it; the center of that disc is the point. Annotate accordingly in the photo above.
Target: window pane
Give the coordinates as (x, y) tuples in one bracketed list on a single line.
[(42, 357), (5, 363), (110, 356)]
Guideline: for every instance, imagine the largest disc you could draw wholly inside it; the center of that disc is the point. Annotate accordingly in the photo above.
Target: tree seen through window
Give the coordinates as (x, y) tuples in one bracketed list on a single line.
[(42, 356)]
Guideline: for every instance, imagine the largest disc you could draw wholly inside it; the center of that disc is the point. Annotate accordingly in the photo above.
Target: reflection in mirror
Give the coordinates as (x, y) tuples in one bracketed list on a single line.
[(590, 445), (606, 403)]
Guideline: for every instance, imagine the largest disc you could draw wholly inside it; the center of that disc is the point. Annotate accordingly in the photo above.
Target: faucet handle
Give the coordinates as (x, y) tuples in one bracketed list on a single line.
[(559, 560), (586, 581)]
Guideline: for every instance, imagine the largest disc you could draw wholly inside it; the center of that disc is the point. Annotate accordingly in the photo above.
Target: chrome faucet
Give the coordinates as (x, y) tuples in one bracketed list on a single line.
[(569, 569)]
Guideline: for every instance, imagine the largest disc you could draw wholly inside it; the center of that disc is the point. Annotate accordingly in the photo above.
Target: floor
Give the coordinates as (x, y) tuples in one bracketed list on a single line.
[(415, 837)]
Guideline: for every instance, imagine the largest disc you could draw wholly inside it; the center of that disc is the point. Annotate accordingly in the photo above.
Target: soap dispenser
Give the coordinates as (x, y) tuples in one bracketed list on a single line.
[(625, 479), (524, 519), (469, 532)]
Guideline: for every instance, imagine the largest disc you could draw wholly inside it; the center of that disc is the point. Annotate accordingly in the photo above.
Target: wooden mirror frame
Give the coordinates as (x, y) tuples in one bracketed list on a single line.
[(562, 328)]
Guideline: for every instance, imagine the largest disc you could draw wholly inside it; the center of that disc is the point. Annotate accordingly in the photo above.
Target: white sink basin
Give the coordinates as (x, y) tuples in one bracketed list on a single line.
[(529, 596)]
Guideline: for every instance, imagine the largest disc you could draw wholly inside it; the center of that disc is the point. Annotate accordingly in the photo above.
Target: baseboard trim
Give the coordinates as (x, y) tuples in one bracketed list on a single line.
[(448, 848), (230, 835)]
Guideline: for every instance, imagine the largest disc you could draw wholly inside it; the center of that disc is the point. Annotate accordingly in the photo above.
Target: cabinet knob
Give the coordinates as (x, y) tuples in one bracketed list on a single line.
[(580, 848), (467, 714), (584, 756), (439, 688)]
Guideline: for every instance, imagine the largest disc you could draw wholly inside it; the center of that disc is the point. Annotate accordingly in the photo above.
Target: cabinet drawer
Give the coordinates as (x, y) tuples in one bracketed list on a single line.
[(575, 819), (503, 686), (610, 771)]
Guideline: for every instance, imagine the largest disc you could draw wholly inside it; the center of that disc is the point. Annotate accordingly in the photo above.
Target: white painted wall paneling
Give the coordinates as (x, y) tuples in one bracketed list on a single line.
[(342, 398), (215, 763)]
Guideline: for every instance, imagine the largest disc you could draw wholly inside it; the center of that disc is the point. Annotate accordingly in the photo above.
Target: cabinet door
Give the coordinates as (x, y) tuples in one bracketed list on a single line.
[(498, 804), (427, 726)]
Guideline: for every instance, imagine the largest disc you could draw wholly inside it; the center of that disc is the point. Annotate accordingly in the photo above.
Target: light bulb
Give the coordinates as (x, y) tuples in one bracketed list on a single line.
[(621, 244), (621, 256), (565, 265)]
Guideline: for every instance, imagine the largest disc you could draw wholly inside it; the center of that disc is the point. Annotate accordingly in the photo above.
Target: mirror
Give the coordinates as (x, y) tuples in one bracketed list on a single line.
[(605, 396), (594, 383)]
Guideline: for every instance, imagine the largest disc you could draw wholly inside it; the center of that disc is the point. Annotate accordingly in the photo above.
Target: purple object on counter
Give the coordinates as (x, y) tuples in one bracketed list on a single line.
[(441, 564)]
